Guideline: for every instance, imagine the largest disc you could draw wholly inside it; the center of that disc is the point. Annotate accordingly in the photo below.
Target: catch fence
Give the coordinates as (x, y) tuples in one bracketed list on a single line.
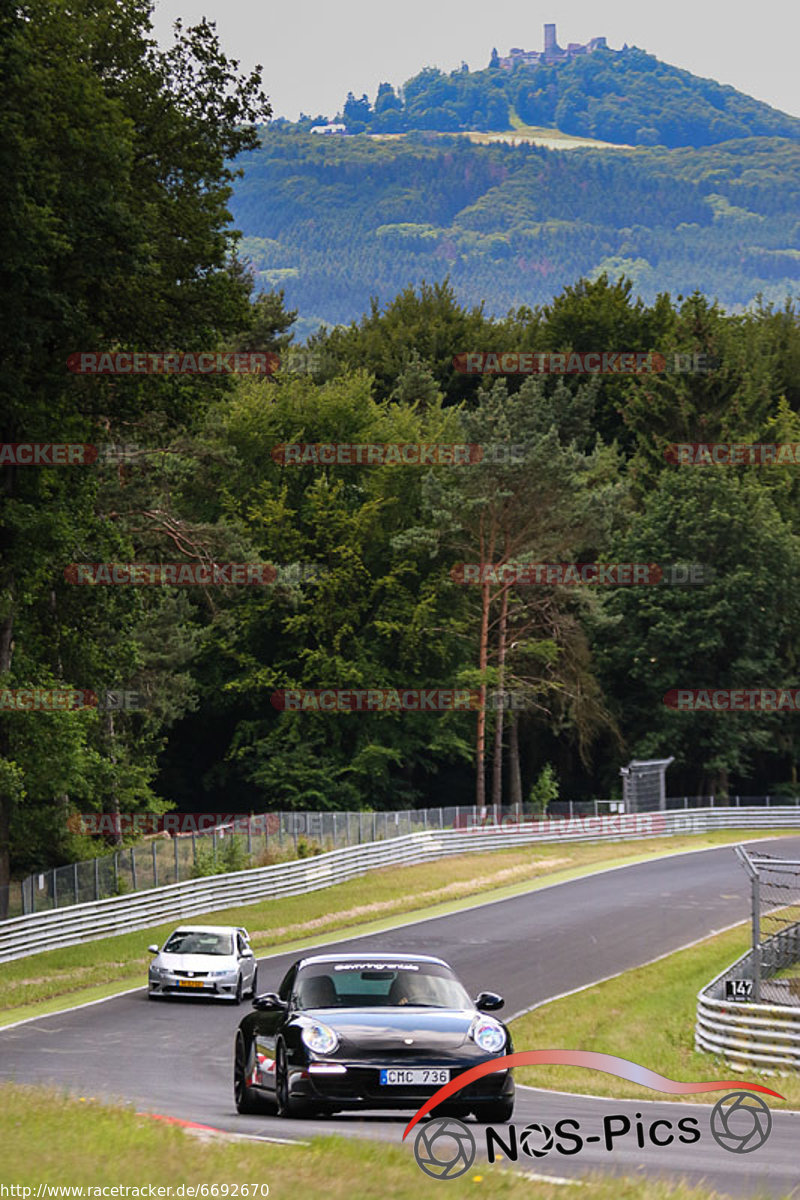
[(270, 838)]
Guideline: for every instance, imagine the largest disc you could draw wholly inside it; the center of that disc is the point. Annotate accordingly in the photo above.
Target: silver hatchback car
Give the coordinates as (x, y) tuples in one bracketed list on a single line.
[(204, 960)]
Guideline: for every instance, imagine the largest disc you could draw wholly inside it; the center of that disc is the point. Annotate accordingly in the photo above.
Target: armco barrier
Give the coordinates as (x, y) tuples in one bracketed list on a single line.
[(22, 936), (749, 1036)]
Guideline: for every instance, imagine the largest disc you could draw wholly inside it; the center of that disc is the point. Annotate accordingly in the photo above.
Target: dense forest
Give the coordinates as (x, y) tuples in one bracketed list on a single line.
[(336, 221), (623, 96), (363, 592)]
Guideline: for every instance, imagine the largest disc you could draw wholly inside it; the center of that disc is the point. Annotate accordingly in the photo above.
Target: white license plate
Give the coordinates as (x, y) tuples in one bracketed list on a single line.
[(400, 1077)]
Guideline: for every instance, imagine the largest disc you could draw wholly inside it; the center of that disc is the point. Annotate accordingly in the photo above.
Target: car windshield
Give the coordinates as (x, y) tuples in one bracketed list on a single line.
[(196, 941), (378, 985)]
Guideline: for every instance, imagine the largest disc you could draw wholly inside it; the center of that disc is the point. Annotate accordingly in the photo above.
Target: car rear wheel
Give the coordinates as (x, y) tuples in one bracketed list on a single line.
[(247, 1099), (494, 1112)]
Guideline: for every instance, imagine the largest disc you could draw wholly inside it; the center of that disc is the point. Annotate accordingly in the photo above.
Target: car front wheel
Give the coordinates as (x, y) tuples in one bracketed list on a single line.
[(287, 1106), (247, 1099)]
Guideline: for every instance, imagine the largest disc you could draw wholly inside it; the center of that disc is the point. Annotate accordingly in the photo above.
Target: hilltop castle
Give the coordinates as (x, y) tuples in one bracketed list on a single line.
[(552, 53)]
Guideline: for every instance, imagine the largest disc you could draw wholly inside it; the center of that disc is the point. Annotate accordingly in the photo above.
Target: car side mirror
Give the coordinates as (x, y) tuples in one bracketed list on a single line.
[(247, 953), (269, 1002), (153, 949), (489, 1002)]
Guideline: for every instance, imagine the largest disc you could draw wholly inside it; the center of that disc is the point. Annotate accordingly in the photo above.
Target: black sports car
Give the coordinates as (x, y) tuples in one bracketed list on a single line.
[(381, 1031)]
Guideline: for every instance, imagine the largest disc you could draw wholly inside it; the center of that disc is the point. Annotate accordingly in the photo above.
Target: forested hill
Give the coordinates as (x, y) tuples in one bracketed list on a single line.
[(622, 96), (337, 220)]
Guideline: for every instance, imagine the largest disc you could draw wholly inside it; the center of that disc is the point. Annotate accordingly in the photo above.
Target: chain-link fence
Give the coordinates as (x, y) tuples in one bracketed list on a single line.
[(773, 966), (268, 838), (277, 837)]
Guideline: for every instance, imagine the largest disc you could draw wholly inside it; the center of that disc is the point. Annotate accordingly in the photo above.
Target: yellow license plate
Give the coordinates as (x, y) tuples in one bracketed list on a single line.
[(190, 983)]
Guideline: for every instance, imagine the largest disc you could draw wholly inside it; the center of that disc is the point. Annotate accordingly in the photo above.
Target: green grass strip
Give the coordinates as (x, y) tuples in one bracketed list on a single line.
[(50, 1139), (647, 1016)]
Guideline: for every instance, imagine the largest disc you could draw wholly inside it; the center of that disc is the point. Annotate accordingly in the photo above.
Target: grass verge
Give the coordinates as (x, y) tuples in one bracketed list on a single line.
[(56, 979), (50, 1139), (646, 1015)]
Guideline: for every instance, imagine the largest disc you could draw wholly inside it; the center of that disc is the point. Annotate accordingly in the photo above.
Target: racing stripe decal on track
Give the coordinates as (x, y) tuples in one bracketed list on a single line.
[(178, 1121), (194, 1127)]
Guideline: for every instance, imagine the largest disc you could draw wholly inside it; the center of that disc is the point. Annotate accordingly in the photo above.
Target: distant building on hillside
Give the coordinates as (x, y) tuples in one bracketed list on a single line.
[(552, 53), (329, 129)]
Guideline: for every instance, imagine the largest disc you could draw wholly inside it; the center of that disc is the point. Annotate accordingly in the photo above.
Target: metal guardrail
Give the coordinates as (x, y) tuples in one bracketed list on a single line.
[(750, 1036), (156, 861), (23, 936)]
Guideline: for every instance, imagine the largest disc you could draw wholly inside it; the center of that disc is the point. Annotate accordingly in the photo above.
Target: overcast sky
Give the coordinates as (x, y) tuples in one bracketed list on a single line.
[(315, 51)]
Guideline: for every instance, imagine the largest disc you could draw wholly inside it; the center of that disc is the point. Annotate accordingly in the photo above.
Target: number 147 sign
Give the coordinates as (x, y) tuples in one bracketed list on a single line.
[(738, 989)]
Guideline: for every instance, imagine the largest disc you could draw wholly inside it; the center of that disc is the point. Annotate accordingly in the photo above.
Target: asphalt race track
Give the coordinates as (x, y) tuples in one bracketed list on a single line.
[(175, 1057)]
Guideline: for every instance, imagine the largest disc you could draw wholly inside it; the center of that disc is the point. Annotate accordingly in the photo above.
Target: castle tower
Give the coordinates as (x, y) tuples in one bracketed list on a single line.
[(550, 43)]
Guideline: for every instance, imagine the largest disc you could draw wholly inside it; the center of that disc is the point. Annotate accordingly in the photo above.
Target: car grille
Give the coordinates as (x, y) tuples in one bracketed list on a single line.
[(191, 974), (364, 1083)]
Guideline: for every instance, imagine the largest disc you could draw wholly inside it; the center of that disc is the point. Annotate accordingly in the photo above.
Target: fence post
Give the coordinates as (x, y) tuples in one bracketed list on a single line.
[(595, 809), (249, 839), (97, 879), (55, 897), (334, 830), (133, 870), (374, 826), (756, 938), (75, 881), (570, 810), (155, 865), (116, 872)]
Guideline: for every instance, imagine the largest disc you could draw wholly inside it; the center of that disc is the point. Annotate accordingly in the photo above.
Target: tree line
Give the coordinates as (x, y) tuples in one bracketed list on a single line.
[(127, 144), (623, 96), (336, 221)]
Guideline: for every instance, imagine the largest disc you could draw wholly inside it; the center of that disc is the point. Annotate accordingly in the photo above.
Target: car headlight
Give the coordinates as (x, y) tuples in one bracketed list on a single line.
[(157, 971), (320, 1038), (488, 1035)]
